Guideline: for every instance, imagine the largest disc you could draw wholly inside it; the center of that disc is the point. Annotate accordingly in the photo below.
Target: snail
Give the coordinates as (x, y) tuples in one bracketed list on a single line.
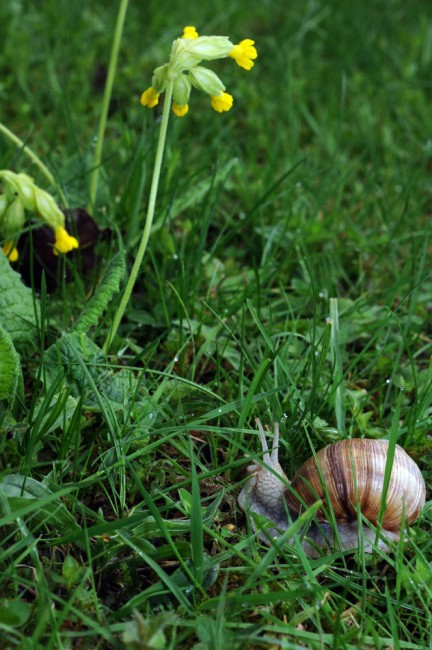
[(349, 473)]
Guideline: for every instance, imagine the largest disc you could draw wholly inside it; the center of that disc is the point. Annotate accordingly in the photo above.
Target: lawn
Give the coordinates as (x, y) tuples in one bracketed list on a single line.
[(284, 274)]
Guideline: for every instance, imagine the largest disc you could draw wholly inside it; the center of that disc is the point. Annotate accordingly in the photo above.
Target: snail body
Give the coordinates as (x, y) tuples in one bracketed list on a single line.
[(348, 476)]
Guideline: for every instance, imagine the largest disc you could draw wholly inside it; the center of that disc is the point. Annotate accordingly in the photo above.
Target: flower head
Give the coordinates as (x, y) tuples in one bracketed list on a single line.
[(243, 53), (21, 194), (63, 241), (10, 251), (180, 109), (150, 98), (184, 71), (189, 32), (222, 102)]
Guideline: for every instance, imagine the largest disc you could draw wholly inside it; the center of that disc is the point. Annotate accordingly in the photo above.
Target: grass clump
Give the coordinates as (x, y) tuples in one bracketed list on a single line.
[(123, 439)]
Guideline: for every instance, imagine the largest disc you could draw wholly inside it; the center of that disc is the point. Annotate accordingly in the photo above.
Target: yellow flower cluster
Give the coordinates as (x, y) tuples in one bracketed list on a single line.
[(184, 69), (20, 194)]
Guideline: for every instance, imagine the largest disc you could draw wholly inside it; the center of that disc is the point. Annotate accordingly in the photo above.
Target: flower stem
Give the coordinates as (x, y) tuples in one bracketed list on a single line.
[(35, 159), (106, 102), (149, 218)]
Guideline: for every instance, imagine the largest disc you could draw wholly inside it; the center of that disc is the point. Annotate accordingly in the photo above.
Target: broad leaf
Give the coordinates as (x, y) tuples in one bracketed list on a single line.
[(9, 368), (22, 490), (17, 306), (11, 379), (88, 374)]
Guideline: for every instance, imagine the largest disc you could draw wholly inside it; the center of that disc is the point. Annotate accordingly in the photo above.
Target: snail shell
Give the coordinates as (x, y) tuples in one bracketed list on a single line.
[(345, 475)]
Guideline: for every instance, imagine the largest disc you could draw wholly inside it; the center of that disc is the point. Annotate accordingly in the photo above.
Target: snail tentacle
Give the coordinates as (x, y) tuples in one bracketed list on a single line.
[(263, 494)]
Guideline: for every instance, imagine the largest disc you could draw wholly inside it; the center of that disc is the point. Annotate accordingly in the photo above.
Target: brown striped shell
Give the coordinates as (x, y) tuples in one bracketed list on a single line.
[(355, 468)]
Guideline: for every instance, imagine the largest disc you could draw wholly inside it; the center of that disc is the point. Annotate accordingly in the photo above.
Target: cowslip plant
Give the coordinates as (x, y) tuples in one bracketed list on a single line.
[(176, 78), (184, 72), (21, 194)]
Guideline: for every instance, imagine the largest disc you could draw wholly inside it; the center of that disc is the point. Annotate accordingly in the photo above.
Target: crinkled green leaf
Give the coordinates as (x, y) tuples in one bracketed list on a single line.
[(17, 307), (21, 490), (11, 381), (108, 286), (85, 367), (10, 368)]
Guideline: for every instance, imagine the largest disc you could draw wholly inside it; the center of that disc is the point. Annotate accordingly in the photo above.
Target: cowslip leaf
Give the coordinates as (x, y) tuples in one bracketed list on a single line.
[(86, 370), (11, 380), (22, 491), (9, 367), (18, 309)]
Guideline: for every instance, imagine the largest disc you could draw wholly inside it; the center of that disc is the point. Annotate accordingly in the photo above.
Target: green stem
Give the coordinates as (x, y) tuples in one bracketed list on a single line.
[(106, 102), (149, 219), (338, 375), (35, 159)]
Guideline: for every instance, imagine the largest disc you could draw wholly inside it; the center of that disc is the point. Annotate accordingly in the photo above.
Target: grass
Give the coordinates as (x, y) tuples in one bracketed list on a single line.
[(311, 198)]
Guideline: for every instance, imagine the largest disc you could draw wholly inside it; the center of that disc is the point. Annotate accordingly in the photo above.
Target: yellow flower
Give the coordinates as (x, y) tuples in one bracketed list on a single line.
[(180, 109), (222, 102), (190, 32), (10, 251), (63, 241), (183, 71), (243, 53), (150, 98)]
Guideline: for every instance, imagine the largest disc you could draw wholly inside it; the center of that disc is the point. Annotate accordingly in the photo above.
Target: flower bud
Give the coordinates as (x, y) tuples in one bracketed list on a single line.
[(12, 219), (48, 209), (181, 89), (181, 59), (206, 80), (159, 79), (3, 204), (208, 48), (20, 185)]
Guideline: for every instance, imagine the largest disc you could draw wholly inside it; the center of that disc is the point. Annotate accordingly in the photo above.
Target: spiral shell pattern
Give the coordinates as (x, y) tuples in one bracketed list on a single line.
[(351, 472)]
